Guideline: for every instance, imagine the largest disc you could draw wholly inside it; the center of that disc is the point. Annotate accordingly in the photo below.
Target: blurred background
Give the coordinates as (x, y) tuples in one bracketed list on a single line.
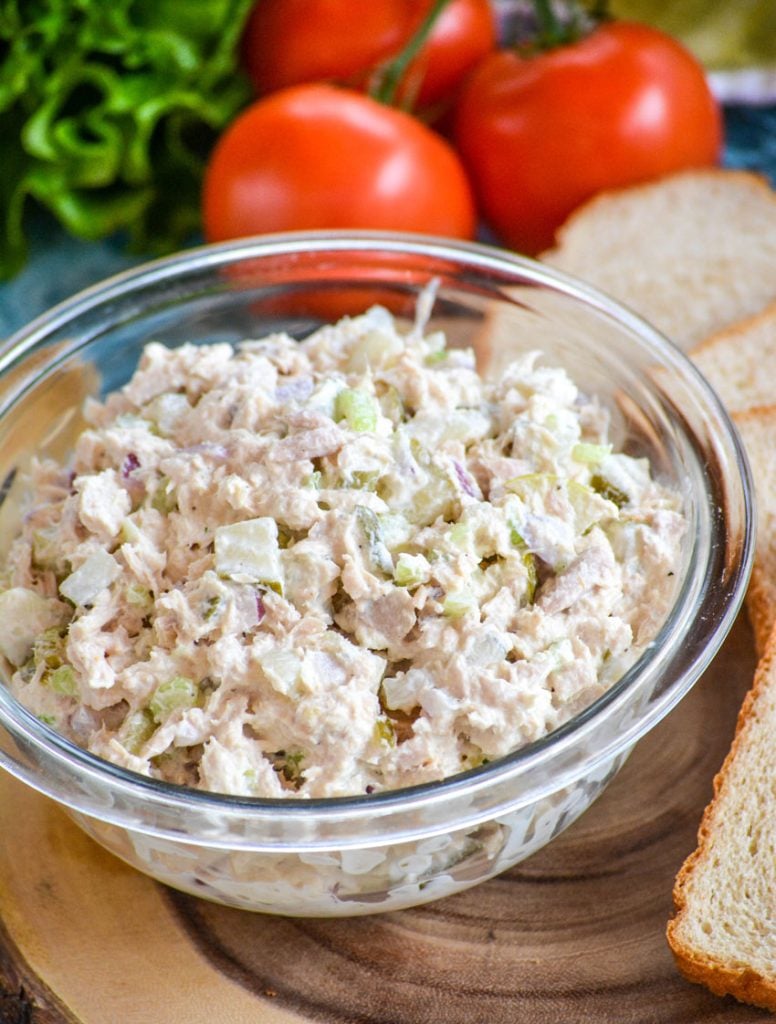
[(734, 39)]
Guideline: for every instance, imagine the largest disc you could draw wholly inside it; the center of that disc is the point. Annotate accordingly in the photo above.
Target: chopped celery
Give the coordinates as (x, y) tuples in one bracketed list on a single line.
[(411, 570), (62, 680), (164, 498), (136, 729), (357, 408), (378, 553), (459, 603), (178, 693), (249, 552), (591, 454), (313, 481), (24, 616), (92, 577)]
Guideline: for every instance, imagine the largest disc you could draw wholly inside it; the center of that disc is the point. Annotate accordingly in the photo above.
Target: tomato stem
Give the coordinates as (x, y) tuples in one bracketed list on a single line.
[(551, 32), (390, 77), (547, 24)]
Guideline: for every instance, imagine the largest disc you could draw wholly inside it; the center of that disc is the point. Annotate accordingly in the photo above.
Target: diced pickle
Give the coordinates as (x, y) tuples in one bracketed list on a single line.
[(378, 554), (137, 728)]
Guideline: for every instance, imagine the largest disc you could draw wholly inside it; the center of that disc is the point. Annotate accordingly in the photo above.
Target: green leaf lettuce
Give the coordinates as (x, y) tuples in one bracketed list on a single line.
[(108, 109)]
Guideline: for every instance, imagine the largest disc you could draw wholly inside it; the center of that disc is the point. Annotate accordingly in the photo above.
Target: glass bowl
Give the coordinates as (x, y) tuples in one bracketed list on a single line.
[(395, 849)]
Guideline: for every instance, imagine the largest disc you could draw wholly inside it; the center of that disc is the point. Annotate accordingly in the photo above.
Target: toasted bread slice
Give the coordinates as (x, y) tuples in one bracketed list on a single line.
[(736, 361), (693, 252), (758, 430), (723, 933)]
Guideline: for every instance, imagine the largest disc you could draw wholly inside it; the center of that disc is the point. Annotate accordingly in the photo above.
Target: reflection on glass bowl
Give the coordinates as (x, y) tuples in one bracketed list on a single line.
[(356, 855)]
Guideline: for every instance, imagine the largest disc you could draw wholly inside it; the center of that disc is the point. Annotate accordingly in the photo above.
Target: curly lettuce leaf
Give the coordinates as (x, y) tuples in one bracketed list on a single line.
[(108, 111)]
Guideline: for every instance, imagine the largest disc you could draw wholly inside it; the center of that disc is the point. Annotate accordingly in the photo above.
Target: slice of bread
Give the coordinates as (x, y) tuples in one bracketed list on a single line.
[(740, 362), (723, 933), (693, 252), (758, 430)]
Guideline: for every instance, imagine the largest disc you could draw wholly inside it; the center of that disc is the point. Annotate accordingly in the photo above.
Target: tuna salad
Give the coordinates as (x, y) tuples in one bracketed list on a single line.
[(332, 567)]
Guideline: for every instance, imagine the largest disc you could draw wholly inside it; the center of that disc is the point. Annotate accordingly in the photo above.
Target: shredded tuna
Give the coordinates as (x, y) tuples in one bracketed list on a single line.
[(334, 566)]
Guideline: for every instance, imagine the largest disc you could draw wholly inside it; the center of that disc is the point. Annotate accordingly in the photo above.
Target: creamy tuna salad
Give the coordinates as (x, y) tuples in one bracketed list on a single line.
[(334, 566)]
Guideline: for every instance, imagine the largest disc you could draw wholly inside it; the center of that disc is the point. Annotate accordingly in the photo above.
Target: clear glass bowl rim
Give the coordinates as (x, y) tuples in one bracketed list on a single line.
[(22, 724)]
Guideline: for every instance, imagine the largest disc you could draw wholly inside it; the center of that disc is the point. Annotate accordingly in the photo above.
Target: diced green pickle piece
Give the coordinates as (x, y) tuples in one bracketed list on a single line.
[(137, 728), (529, 561), (384, 732), (49, 648), (164, 498), (608, 490), (379, 555)]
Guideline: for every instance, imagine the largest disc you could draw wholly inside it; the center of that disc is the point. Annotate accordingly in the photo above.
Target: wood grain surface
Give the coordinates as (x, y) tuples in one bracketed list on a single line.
[(574, 934)]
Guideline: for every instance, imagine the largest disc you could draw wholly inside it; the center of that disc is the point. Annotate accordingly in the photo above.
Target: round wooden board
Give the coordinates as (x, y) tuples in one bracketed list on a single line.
[(575, 934)]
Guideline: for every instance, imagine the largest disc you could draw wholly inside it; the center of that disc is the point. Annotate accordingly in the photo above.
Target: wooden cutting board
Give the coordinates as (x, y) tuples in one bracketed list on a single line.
[(575, 934)]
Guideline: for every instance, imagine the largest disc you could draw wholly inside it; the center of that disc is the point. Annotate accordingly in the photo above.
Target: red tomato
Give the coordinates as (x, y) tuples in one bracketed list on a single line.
[(541, 134), (317, 156), (288, 42)]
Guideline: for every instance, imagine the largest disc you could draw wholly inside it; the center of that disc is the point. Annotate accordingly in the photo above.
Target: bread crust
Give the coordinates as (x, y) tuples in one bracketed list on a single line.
[(734, 331), (759, 608), (745, 984), (761, 594)]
